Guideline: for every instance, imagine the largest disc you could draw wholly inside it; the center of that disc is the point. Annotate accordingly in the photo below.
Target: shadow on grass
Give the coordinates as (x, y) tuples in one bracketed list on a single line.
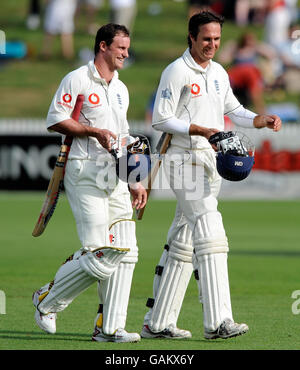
[(266, 253), (31, 335)]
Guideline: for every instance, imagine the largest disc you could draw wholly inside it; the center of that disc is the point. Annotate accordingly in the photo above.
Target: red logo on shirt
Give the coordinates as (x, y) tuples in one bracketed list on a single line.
[(195, 89), (94, 98), (67, 98)]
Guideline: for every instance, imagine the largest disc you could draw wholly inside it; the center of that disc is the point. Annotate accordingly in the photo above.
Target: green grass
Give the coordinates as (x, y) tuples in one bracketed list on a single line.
[(263, 268), (27, 86)]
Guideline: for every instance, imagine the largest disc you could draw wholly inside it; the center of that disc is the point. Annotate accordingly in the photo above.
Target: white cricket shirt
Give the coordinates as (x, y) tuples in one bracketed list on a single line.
[(211, 97), (105, 106)]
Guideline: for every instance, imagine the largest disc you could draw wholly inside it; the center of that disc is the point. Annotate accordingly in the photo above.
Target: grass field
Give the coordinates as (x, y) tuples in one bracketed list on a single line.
[(264, 238), (27, 86), (263, 267)]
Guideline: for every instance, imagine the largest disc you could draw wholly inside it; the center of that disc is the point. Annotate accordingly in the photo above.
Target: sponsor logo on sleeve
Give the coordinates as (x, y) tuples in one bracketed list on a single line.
[(66, 100)]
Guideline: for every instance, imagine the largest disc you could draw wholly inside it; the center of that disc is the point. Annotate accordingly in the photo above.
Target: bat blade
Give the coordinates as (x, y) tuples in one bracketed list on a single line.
[(56, 182), (163, 145)]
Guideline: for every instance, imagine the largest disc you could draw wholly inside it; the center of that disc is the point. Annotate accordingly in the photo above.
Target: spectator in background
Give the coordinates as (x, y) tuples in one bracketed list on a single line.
[(123, 12), (293, 8), (197, 6), (289, 53), (245, 73), (91, 8), (277, 22), (246, 9), (59, 20), (33, 20)]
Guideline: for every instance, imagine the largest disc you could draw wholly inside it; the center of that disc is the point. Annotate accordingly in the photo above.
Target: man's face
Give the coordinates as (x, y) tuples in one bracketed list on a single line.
[(117, 51), (207, 43)]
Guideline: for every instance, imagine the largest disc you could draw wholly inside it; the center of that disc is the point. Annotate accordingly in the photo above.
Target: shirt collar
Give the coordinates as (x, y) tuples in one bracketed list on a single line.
[(95, 74), (190, 61)]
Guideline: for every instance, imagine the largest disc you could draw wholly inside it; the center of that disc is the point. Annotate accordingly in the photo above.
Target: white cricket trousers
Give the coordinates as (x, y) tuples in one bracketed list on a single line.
[(94, 203), (195, 181)]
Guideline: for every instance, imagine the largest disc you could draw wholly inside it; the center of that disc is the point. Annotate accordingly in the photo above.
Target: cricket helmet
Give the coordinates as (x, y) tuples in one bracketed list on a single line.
[(134, 164), (235, 155)]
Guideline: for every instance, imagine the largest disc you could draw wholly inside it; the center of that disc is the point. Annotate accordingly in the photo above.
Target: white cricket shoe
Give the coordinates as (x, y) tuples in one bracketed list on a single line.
[(120, 336), (227, 329), (170, 333), (46, 322)]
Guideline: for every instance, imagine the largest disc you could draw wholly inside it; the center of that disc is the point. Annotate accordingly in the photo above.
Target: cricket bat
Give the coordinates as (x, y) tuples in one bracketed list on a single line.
[(163, 145), (56, 181)]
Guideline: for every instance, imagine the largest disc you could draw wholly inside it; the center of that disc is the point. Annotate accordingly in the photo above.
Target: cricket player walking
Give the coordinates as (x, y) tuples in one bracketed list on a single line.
[(196, 239), (102, 209)]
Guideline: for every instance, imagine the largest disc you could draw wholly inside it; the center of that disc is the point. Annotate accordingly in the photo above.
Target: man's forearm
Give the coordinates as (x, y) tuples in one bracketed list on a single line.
[(202, 131), (71, 127)]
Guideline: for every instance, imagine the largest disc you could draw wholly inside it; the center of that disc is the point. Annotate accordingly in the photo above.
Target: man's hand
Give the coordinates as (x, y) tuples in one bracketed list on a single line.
[(105, 138), (203, 131), (271, 121), (209, 133), (139, 195), (73, 128)]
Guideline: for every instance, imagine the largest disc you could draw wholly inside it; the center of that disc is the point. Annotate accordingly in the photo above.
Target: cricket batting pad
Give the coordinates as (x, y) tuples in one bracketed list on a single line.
[(76, 275), (170, 282), (213, 285), (115, 291), (209, 234), (210, 261)]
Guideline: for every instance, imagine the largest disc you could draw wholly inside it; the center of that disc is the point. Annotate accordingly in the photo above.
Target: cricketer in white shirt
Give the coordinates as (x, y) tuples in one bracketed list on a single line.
[(105, 107), (196, 239), (101, 204)]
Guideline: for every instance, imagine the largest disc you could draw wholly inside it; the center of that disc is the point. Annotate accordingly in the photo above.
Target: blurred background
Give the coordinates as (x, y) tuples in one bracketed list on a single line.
[(260, 49)]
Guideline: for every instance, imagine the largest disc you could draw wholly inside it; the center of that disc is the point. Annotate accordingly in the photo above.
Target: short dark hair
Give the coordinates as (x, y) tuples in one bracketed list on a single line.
[(107, 33), (198, 20)]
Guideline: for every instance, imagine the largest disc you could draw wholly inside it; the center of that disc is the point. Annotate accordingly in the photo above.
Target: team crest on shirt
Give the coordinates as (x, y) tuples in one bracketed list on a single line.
[(119, 101), (166, 94), (217, 86)]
